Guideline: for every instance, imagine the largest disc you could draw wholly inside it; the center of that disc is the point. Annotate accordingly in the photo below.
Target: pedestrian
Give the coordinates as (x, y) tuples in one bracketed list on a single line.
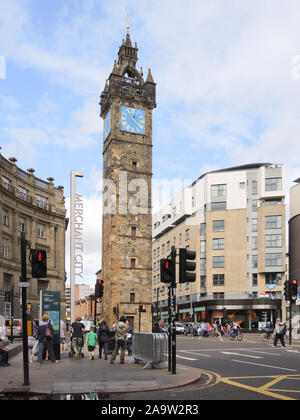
[(62, 336), (156, 328), (3, 355), (161, 324), (77, 331), (279, 332), (91, 342), (45, 337), (120, 337), (33, 337), (103, 339), (129, 337)]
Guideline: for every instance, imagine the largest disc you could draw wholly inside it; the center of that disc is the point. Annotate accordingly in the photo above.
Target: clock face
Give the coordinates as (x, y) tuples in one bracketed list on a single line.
[(106, 128), (132, 120)]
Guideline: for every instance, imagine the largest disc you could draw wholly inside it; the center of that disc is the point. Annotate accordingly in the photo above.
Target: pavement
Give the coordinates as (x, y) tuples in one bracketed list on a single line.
[(84, 376)]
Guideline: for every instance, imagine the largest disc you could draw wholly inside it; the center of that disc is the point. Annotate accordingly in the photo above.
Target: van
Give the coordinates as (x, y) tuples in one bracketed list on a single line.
[(17, 327)]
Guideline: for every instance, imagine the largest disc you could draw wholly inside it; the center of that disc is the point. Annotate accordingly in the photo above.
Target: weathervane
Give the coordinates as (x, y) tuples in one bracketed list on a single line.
[(128, 20)]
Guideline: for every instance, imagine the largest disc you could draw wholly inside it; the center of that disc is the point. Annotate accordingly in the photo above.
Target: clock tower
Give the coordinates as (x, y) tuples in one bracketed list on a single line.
[(126, 104)]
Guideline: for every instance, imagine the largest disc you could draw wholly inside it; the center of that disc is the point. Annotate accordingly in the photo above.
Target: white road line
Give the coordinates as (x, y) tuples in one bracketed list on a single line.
[(264, 352), (242, 355), (196, 354), (258, 364), (186, 358)]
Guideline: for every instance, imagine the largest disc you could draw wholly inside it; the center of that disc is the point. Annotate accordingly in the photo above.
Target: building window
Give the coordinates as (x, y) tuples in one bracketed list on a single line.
[(221, 205), (254, 187), (273, 222), (254, 225), (132, 263), (274, 278), (134, 165), (5, 217), (202, 281), (202, 246), (218, 190), (254, 242), (242, 185), (254, 205), (218, 279), (132, 297), (254, 280), (218, 262), (273, 184), (23, 193), (202, 264), (187, 234), (22, 224), (218, 243), (41, 229), (218, 225), (6, 183), (5, 248), (219, 295), (273, 241), (273, 260), (254, 261), (133, 233), (42, 202), (202, 229)]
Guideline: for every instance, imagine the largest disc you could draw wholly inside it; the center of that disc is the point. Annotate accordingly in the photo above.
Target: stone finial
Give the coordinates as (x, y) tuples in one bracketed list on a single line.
[(149, 77), (31, 170), (13, 159), (50, 179)]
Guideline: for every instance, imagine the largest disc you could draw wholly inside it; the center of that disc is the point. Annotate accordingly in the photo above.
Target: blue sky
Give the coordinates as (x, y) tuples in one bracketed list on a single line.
[(228, 87)]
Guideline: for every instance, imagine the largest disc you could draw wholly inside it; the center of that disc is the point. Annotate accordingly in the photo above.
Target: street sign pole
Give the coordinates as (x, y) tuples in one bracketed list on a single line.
[(24, 309)]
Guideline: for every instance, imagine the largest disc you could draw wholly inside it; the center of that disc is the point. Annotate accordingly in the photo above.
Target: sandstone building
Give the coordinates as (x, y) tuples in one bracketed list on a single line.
[(234, 219), (36, 207), (126, 103)]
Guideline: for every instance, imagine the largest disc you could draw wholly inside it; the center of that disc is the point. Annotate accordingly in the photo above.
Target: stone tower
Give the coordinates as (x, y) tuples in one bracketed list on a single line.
[(126, 104)]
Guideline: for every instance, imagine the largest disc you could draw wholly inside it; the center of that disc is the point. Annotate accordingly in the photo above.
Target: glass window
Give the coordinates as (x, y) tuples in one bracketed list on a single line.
[(273, 260), (218, 205), (203, 246), (273, 184), (242, 185), (254, 225), (218, 190), (254, 261), (273, 222), (41, 229), (274, 278), (5, 217), (42, 202), (218, 243), (218, 262), (254, 187), (218, 225), (202, 264), (187, 234), (254, 205), (254, 242), (5, 248), (22, 224), (273, 241), (218, 279)]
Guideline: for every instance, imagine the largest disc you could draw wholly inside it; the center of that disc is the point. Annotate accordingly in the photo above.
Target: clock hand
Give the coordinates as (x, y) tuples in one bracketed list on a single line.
[(134, 119)]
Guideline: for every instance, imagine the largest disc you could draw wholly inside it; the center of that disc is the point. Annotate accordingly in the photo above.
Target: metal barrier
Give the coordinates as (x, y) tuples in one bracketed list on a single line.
[(151, 349)]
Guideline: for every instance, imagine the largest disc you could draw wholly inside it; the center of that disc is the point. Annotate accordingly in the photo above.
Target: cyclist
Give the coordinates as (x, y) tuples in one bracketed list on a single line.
[(235, 327)]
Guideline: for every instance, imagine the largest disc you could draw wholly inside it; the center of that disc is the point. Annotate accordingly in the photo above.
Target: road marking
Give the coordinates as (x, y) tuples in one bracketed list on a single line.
[(196, 354), (186, 358), (258, 364), (293, 351), (245, 355), (264, 352)]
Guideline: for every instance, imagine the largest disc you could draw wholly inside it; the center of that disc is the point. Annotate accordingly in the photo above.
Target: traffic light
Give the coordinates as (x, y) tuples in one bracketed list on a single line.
[(141, 308), (287, 290), (294, 290), (7, 296), (99, 289), (166, 270), (38, 263), (187, 267)]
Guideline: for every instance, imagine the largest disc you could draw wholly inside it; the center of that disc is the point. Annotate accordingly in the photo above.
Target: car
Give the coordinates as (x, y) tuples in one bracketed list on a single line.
[(179, 328), (17, 328)]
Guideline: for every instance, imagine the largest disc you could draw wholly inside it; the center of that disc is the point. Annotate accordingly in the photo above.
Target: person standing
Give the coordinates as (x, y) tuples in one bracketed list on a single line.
[(129, 337), (91, 342), (77, 331), (45, 337), (62, 335), (120, 336), (279, 332), (3, 355), (103, 339)]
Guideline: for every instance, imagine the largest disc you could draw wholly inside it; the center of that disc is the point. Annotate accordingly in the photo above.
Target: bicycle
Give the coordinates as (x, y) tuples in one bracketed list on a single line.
[(236, 335)]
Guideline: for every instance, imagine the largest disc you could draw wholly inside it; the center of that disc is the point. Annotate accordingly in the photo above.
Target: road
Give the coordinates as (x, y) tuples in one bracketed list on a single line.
[(246, 370)]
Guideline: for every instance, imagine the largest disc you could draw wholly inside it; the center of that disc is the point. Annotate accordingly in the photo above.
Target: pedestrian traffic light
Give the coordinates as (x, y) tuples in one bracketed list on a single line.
[(141, 308), (166, 270), (294, 290), (287, 290), (99, 289), (38, 263), (187, 267)]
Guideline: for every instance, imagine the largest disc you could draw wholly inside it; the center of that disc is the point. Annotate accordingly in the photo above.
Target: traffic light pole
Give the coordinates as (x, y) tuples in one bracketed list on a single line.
[(173, 305), (24, 309)]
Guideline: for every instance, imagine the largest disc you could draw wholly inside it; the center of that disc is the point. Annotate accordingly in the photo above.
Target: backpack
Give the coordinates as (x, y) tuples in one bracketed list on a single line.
[(48, 333), (283, 329)]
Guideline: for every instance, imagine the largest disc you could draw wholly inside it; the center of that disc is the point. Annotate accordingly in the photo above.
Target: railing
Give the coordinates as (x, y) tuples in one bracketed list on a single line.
[(151, 349)]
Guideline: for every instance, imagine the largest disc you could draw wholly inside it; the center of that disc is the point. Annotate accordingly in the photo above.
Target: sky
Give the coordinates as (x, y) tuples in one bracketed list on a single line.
[(228, 89)]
